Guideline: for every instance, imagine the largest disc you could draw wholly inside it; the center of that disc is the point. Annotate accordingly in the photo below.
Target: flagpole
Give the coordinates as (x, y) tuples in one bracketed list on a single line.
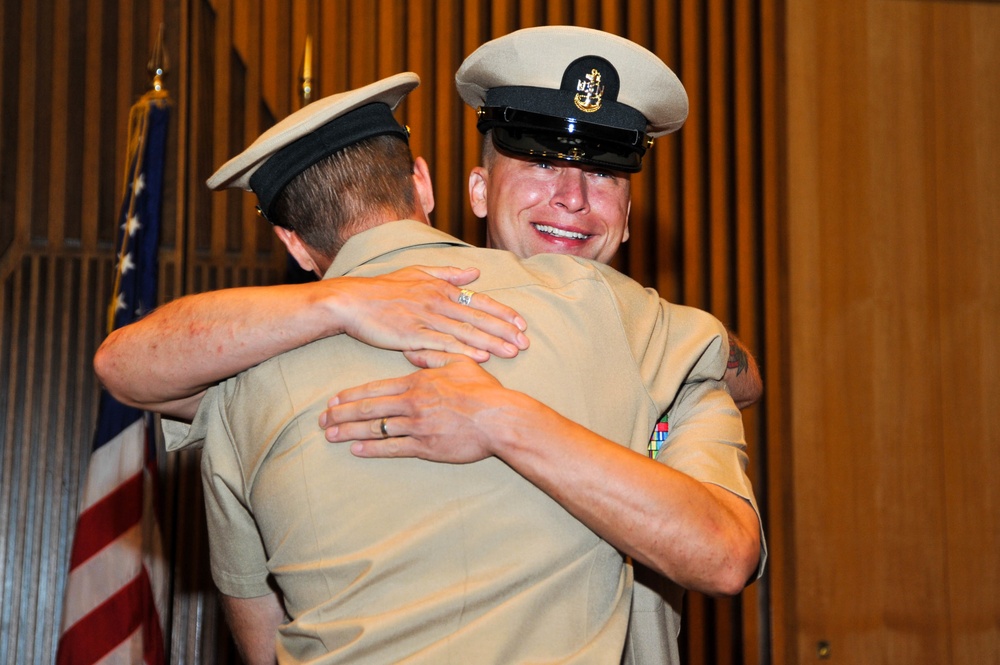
[(159, 62), (307, 86)]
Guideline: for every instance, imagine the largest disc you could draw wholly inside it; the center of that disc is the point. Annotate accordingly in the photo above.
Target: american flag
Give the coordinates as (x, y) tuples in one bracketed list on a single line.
[(115, 601)]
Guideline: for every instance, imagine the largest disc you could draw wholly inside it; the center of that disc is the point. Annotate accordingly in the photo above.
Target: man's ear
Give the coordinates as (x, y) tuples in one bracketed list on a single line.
[(424, 185), (297, 249), (477, 190)]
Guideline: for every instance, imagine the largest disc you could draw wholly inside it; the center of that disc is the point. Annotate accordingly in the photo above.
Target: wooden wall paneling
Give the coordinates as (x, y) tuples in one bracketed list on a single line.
[(93, 82), (13, 372), (662, 160), (58, 127), (18, 594), (610, 15), (9, 84), (418, 112), (230, 133), (450, 203), (503, 18), (692, 27), (558, 12), (255, 234), (362, 55), (585, 13), (966, 195), (42, 110), (890, 133), (276, 57), (474, 34), (719, 257), (392, 15), (747, 319), (332, 48), (42, 461), (636, 255), (199, 208), (26, 124), (120, 33)]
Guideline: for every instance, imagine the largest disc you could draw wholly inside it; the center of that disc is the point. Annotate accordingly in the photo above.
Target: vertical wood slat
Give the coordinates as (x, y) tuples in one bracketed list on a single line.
[(58, 129), (221, 122), (48, 404), (635, 255), (473, 35), (450, 202), (89, 108), (969, 319), (26, 123), (693, 145), (664, 164)]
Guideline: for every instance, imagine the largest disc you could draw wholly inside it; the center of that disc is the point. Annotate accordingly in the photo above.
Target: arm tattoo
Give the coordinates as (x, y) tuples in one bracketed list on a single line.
[(737, 357)]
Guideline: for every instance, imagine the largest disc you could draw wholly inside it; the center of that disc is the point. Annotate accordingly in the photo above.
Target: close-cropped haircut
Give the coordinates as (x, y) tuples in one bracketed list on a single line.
[(489, 152), (349, 191)]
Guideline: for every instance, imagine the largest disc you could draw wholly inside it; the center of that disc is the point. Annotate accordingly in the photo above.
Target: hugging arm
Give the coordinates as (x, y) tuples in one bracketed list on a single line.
[(165, 361), (700, 535)]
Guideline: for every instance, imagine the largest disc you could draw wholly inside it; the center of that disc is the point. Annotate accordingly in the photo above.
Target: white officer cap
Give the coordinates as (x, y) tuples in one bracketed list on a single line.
[(572, 93), (312, 133)]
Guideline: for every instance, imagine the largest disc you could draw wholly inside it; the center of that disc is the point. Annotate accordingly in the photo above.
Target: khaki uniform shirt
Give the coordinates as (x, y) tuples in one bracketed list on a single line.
[(404, 560)]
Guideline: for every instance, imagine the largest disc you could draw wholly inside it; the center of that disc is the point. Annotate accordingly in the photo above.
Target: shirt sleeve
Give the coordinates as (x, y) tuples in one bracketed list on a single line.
[(672, 344), (179, 435), (706, 441), (237, 554)]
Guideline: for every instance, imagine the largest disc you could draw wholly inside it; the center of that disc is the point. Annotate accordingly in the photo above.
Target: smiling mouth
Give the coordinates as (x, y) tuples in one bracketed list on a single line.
[(560, 233)]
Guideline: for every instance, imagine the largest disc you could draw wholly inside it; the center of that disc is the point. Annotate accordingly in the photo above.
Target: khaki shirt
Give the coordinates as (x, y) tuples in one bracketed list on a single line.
[(406, 560)]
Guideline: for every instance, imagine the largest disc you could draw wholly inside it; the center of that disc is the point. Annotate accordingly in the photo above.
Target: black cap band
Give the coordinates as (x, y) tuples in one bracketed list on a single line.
[(273, 176)]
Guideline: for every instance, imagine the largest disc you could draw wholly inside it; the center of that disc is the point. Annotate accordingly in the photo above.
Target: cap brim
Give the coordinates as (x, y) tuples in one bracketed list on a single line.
[(237, 171)]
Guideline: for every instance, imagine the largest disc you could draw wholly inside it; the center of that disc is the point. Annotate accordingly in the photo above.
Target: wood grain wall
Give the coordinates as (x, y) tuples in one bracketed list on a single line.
[(893, 311), (831, 198)]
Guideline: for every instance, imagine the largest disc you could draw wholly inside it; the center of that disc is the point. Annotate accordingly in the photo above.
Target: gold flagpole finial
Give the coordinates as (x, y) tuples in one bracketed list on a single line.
[(159, 62), (307, 72)]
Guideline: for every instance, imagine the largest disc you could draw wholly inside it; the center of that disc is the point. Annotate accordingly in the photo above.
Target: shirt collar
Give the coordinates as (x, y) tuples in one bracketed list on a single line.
[(384, 239)]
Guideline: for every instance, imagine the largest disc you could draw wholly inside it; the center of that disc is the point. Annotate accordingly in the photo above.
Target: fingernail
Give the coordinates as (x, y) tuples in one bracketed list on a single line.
[(521, 323), (322, 420)]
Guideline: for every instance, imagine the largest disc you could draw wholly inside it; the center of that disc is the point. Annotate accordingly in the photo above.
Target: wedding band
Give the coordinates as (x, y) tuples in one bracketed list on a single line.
[(465, 296), (381, 426)]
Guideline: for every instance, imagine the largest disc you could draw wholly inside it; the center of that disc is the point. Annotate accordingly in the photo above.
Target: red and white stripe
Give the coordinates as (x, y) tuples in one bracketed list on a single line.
[(116, 592)]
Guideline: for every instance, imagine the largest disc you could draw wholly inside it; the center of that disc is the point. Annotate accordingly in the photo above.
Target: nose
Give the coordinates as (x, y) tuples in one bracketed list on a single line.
[(571, 191)]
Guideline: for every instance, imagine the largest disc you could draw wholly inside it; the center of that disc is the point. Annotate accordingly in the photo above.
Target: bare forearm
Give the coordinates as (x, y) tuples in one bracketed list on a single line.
[(702, 536), (254, 624), (698, 535), (165, 361), (171, 356)]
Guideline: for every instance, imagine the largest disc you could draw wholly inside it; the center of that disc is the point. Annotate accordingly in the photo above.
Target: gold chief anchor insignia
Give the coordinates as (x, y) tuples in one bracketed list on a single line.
[(589, 91)]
